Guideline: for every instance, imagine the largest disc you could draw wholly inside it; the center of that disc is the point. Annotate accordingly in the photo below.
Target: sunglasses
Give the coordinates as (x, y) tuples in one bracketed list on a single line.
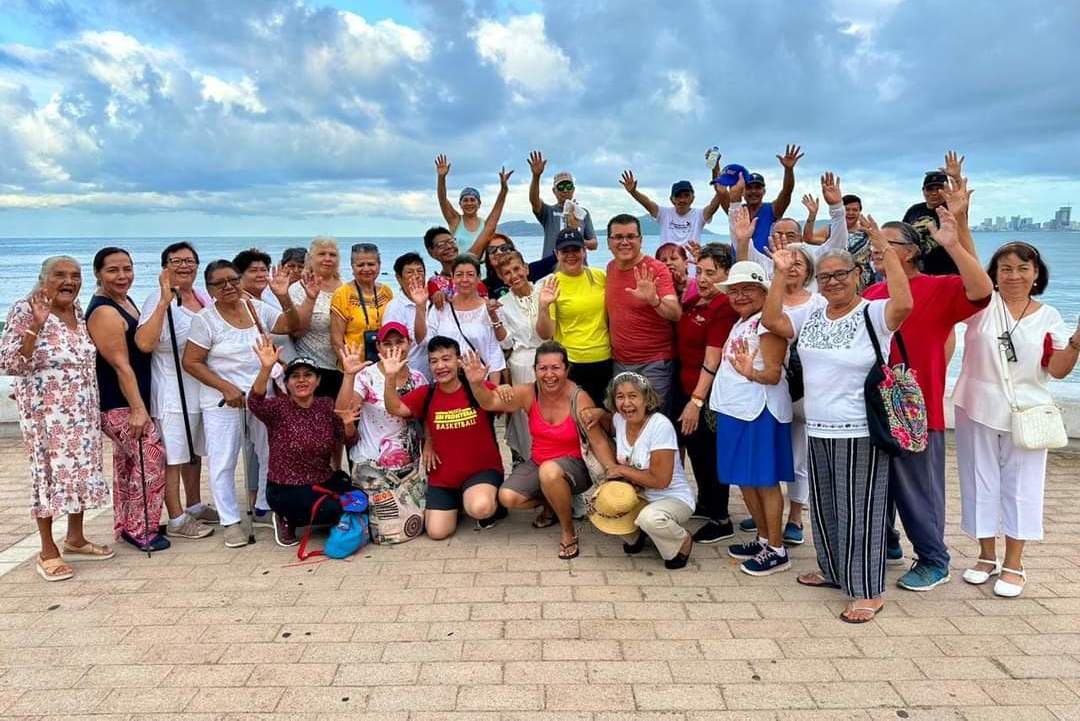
[(496, 249), (1006, 343), (563, 187)]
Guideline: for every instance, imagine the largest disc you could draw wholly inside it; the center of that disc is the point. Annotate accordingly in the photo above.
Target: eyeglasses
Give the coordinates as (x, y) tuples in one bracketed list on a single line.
[(742, 292), (365, 248), (444, 243), (233, 281), (1006, 343), (621, 237), (563, 187), (182, 262), (839, 275)]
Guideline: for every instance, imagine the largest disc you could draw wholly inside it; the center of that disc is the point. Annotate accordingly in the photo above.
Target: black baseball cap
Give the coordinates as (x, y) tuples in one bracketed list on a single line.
[(934, 177), (755, 179), (683, 186), (569, 238), (302, 362)]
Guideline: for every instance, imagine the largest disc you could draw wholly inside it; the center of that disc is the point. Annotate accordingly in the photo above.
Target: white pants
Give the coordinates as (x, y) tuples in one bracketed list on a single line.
[(1001, 485), (662, 522), (224, 442), (174, 436), (799, 491)]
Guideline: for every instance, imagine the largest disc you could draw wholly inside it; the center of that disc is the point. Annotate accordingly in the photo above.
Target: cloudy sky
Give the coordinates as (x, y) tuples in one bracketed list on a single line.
[(257, 117)]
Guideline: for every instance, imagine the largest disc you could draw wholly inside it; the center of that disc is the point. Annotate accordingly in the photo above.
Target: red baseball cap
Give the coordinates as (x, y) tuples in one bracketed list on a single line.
[(392, 327)]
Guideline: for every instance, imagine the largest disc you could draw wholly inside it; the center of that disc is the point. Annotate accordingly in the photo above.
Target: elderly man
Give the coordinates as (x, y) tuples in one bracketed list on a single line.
[(553, 217), (642, 308), (767, 213)]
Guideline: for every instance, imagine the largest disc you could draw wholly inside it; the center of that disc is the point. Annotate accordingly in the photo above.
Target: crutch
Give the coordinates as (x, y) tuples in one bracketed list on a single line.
[(145, 501)]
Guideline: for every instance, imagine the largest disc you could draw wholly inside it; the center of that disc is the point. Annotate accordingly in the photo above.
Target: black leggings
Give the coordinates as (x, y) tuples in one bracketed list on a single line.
[(593, 378), (712, 498), (294, 502)]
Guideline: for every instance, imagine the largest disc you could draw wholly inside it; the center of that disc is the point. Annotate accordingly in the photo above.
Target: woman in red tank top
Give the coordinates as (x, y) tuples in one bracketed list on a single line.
[(556, 469)]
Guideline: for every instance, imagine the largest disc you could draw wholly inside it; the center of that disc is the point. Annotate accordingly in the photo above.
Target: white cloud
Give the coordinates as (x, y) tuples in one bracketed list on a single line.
[(681, 94), (526, 60), (243, 94), (368, 48)]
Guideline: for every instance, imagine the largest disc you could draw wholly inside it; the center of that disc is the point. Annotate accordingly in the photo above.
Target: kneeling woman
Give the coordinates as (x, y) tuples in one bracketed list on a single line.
[(467, 468), (305, 436), (556, 469), (647, 455)]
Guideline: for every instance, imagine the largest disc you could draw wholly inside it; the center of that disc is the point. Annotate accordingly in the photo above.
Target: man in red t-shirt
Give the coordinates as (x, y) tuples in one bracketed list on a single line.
[(467, 469), (917, 481), (642, 308)]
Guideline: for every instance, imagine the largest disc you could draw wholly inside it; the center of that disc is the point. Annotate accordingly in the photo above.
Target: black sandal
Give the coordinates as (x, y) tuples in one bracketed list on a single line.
[(635, 547), (680, 559), (564, 549), (545, 519)]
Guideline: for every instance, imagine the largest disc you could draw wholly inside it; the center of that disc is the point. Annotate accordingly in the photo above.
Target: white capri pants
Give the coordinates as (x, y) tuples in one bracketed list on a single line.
[(224, 443), (1001, 485), (174, 436), (662, 521), (799, 491)]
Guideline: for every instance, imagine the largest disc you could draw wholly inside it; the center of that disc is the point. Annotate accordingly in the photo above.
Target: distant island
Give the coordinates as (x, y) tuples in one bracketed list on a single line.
[(525, 228)]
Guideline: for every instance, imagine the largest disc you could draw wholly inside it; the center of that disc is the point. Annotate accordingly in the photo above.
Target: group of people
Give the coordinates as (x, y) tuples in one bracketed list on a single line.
[(748, 360)]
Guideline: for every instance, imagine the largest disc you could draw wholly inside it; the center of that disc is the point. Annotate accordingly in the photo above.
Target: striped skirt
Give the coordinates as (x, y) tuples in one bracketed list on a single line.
[(849, 491)]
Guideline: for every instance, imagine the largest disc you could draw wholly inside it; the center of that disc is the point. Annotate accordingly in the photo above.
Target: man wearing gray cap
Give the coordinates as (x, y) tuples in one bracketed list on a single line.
[(554, 217)]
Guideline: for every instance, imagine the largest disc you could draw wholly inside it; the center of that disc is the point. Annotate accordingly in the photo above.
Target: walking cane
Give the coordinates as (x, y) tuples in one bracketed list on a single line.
[(243, 459), (145, 502)]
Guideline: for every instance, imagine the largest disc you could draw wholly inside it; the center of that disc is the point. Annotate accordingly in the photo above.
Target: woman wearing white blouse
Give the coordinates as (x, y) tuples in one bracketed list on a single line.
[(518, 315), (470, 319), (1001, 484)]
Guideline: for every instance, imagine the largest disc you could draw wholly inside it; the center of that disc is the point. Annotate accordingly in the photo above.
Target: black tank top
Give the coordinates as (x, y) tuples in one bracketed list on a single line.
[(108, 384)]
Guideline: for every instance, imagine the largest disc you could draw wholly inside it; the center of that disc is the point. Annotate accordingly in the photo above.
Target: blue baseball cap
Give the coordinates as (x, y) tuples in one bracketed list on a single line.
[(683, 186), (730, 174), (466, 192)]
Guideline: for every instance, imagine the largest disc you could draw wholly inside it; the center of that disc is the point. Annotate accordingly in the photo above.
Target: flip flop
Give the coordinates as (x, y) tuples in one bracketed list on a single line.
[(822, 582), (847, 619), (87, 552), (564, 549), (53, 569), (543, 520)]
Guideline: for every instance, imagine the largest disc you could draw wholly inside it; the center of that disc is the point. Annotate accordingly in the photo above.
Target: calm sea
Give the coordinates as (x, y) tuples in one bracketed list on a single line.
[(20, 260)]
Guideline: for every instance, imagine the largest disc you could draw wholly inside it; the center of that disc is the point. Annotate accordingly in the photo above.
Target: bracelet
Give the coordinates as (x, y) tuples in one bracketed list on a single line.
[(497, 324), (707, 369), (34, 333)]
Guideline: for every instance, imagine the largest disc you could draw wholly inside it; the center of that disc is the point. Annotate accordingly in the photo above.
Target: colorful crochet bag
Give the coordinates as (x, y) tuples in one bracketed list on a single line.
[(895, 407)]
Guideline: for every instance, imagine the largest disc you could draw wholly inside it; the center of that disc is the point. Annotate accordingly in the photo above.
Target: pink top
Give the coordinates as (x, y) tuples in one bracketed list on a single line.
[(552, 441)]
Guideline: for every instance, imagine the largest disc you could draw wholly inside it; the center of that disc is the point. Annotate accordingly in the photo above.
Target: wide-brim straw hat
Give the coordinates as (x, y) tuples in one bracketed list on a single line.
[(614, 508)]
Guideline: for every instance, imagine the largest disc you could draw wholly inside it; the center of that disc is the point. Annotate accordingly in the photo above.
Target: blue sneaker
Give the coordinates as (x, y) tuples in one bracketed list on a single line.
[(894, 554), (923, 577), (793, 535), (743, 551), (765, 563), (748, 525)]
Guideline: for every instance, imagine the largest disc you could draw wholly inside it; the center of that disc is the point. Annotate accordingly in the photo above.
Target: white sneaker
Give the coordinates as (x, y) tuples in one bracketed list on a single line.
[(1010, 590), (188, 528), (976, 577)]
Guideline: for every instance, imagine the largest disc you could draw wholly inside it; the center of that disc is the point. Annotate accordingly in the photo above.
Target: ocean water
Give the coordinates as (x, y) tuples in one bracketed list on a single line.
[(20, 261)]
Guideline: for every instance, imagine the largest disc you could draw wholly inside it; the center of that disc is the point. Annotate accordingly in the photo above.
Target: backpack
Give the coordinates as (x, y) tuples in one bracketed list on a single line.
[(348, 535), (895, 407)]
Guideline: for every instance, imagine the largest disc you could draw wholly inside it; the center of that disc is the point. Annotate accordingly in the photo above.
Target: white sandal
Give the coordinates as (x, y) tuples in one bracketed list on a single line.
[(976, 577), (1010, 590)]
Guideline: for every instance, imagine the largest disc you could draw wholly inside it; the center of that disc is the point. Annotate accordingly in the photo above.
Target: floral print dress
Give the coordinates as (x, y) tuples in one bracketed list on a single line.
[(57, 396)]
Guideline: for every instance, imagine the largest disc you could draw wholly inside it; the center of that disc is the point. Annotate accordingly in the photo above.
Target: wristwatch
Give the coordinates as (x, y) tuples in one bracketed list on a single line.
[(699, 402)]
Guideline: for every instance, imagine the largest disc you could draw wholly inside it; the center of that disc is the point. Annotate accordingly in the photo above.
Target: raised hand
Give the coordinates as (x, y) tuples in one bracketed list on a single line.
[(693, 249), (279, 281), (475, 370), (549, 292), (811, 203), (783, 259), (742, 226), (417, 291), (352, 359), (310, 284), (438, 300), (777, 241), (830, 189), (537, 163), (351, 414), (646, 285), (735, 193), (628, 181), (505, 393), (868, 225), (946, 234), (442, 166), (958, 196), (791, 156), (393, 360), (40, 307), (493, 306), (266, 351), (164, 280), (504, 178), (743, 358), (954, 165)]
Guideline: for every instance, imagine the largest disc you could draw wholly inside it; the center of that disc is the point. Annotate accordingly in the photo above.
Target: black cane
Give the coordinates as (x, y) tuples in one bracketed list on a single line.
[(145, 502)]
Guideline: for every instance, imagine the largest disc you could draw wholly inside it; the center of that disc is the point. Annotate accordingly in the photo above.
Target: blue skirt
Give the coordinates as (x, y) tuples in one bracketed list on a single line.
[(753, 454)]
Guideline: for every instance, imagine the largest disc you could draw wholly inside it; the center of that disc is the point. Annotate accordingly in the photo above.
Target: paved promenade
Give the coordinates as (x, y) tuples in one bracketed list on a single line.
[(491, 625)]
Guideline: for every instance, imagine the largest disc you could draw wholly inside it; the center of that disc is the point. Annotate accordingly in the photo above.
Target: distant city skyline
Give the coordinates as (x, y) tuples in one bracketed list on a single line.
[(1062, 220)]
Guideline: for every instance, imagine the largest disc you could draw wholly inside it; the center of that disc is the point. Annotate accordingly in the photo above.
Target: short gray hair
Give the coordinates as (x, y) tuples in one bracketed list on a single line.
[(641, 383), (808, 258), (48, 264), (838, 254)]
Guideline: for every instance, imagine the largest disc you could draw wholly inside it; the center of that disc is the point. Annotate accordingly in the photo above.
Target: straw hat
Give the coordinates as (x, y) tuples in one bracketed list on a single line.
[(614, 508)]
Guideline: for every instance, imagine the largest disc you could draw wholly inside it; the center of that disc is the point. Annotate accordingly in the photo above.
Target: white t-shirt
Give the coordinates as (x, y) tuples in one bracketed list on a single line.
[(519, 318), (389, 441), (402, 310), (675, 228), (836, 356), (164, 389), (657, 435), (315, 343), (733, 394), (980, 389), (281, 340), (475, 325), (231, 350)]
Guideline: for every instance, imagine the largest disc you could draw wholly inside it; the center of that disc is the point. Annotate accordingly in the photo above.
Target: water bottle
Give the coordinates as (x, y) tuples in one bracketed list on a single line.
[(712, 157)]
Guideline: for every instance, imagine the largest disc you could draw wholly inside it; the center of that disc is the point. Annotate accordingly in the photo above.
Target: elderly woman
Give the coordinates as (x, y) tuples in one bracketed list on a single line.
[(357, 308), (556, 470), (322, 268), (46, 347), (123, 376), (518, 313), (647, 455), (470, 319), (410, 308), (1001, 484), (293, 262), (574, 313), (164, 325), (753, 423), (834, 344), (699, 341), (306, 435), (220, 354), (497, 247)]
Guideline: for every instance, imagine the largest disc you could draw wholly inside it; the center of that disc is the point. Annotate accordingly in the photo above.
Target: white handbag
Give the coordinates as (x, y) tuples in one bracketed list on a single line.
[(1037, 427)]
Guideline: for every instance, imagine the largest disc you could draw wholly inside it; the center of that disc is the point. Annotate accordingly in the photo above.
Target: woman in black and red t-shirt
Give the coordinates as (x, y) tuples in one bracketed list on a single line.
[(467, 469)]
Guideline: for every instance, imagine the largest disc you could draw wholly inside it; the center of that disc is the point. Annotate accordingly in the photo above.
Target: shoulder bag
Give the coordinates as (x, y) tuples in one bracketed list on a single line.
[(895, 407)]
